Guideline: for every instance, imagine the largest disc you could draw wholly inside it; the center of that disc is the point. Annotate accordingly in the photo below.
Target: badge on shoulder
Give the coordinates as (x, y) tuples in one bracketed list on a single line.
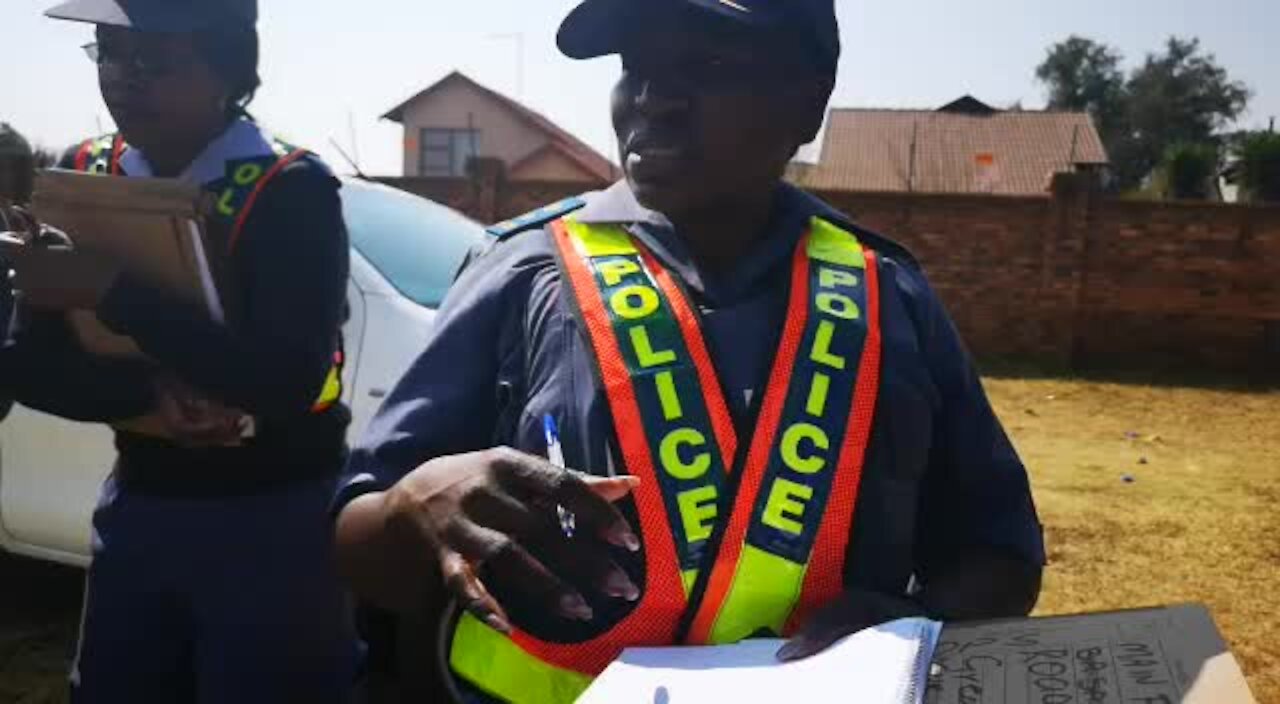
[(536, 218)]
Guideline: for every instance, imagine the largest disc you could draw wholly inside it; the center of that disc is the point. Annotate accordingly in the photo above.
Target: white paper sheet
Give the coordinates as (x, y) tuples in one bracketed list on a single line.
[(884, 665)]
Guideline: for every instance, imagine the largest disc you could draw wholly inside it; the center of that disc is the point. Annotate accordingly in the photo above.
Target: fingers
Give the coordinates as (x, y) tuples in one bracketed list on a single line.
[(19, 222), (611, 489), (809, 642), (586, 565), (460, 579), (580, 561), (496, 509), (594, 513), (853, 612), (509, 563)]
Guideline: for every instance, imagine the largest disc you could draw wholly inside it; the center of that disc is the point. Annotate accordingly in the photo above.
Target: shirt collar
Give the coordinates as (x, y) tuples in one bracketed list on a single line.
[(242, 139), (793, 209)]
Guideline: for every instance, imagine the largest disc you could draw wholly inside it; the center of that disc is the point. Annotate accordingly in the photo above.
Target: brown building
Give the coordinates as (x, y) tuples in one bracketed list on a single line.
[(456, 119), (964, 147)]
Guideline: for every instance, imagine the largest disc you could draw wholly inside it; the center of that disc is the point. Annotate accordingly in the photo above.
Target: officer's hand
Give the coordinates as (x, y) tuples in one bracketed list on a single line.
[(483, 509), (18, 223), (193, 420), (57, 277), (854, 611)]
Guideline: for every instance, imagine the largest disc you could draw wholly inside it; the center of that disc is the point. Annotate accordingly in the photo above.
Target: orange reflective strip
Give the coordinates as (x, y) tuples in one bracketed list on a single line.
[(712, 393), (655, 618), (117, 148), (82, 156), (243, 215), (824, 579), (721, 578)]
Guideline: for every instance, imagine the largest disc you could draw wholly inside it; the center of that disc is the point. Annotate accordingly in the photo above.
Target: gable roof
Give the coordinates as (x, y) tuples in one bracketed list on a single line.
[(577, 150), (968, 105), (960, 149)]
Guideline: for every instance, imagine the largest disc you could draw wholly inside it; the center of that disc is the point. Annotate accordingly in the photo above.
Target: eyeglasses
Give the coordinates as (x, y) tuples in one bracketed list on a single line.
[(153, 64)]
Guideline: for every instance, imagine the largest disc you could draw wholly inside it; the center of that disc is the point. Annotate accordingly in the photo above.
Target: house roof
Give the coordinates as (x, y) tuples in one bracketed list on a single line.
[(572, 147), (966, 147)]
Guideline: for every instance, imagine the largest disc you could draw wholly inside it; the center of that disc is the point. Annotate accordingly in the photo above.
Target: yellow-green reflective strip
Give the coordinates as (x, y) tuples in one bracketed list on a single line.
[(829, 243), (497, 666), (764, 591), (601, 241), (689, 577)]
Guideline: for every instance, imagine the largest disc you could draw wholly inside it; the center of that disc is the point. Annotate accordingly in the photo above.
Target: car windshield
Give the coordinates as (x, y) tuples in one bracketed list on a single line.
[(416, 244)]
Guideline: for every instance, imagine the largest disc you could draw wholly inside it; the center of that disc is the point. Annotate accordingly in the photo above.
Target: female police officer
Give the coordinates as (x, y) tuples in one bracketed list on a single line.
[(212, 578), (769, 393)]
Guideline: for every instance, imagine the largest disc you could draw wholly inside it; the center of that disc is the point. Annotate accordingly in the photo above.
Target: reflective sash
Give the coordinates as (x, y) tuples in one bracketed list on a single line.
[(100, 156), (737, 540), (237, 193)]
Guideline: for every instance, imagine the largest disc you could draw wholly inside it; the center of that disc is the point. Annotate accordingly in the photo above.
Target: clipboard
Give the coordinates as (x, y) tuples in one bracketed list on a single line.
[(1164, 655), (157, 228)]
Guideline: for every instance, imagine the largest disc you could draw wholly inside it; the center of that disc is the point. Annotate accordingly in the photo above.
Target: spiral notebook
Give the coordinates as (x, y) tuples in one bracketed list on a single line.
[(884, 665)]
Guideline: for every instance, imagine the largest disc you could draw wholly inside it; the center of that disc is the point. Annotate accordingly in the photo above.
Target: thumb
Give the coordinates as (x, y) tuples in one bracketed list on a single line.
[(611, 489), (814, 638), (854, 611)]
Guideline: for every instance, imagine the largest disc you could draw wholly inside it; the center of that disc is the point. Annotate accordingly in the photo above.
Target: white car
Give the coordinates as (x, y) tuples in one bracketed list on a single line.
[(404, 253)]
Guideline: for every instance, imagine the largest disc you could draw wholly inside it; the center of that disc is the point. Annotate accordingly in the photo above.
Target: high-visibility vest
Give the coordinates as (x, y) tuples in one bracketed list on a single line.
[(739, 538), (236, 192)]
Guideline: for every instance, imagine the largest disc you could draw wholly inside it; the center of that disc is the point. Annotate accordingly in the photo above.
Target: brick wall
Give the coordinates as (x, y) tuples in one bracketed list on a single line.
[(1070, 277)]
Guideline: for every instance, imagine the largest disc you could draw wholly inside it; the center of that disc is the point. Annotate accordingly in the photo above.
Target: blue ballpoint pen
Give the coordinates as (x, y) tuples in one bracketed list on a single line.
[(555, 455)]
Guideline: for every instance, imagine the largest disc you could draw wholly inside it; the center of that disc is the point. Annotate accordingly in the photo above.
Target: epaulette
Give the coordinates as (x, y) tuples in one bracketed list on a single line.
[(878, 242), (537, 218)]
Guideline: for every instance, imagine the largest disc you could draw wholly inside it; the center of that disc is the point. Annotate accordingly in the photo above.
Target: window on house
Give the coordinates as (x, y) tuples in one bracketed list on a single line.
[(445, 152)]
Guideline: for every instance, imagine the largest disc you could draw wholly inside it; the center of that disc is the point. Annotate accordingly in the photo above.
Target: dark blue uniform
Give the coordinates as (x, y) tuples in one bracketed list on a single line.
[(212, 576), (940, 476)]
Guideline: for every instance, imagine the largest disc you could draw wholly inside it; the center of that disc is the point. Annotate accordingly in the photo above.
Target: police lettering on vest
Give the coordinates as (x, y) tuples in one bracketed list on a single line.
[(740, 538)]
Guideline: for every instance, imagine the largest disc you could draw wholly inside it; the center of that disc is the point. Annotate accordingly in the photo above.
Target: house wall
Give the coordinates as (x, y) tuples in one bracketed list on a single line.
[(456, 105), (550, 166), (1072, 277)]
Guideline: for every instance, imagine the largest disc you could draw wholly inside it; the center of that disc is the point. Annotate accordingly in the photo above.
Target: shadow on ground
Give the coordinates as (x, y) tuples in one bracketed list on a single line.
[(39, 616)]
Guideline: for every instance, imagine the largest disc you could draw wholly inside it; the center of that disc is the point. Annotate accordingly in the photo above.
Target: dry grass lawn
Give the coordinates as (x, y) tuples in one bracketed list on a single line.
[(1200, 520)]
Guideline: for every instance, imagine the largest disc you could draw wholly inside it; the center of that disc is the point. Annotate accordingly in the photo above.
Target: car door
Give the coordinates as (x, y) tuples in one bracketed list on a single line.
[(51, 469)]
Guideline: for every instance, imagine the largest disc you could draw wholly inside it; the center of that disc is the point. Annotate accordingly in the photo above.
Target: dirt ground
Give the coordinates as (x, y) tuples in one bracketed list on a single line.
[(1149, 495), (1156, 495)]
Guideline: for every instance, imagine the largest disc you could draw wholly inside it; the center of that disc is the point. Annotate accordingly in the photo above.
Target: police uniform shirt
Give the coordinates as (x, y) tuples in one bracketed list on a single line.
[(291, 268), (940, 475)]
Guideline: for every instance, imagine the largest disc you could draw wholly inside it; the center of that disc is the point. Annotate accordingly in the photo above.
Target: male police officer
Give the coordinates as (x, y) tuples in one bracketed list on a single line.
[(771, 394)]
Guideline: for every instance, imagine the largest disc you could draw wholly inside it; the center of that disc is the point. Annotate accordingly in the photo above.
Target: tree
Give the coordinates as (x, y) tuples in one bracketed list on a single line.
[(1178, 95), (1189, 171), (1084, 76), (1260, 166)]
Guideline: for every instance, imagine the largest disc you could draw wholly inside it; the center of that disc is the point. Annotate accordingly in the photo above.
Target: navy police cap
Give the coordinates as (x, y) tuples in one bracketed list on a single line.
[(595, 27), (160, 15)]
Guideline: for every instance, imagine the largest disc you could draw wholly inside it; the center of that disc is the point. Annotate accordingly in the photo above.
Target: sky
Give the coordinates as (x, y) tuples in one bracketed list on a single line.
[(331, 69)]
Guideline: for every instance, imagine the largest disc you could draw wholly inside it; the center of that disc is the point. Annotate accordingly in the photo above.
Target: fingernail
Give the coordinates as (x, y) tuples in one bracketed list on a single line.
[(787, 652), (617, 584), (498, 624), (573, 606), (621, 536)]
